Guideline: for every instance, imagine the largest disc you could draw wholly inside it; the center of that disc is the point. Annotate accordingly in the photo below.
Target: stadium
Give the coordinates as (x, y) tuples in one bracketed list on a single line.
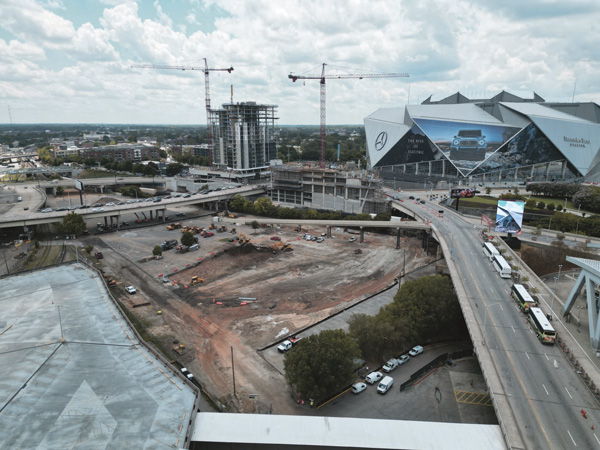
[(503, 139)]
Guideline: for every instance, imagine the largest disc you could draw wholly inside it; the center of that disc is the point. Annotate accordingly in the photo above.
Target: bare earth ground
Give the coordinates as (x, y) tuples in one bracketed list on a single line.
[(283, 292)]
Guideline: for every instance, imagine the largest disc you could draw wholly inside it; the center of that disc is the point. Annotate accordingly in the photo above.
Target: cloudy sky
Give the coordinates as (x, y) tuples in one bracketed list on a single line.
[(69, 61)]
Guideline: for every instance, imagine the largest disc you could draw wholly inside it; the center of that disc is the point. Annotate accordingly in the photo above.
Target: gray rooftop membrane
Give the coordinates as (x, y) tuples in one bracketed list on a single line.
[(73, 374)]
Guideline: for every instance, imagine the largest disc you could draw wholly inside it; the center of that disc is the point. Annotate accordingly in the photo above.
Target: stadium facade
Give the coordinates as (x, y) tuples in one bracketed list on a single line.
[(503, 138)]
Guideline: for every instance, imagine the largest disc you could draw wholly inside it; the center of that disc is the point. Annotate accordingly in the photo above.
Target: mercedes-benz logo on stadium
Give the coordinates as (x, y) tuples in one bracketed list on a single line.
[(381, 140)]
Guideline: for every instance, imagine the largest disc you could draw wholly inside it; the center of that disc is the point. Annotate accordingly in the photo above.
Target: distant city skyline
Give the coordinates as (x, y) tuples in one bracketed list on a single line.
[(69, 61)]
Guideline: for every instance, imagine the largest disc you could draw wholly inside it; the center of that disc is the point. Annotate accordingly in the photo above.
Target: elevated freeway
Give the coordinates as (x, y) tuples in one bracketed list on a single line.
[(539, 398), (15, 218)]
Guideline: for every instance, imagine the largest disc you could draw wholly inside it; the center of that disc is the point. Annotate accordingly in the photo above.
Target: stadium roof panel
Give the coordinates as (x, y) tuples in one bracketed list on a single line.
[(467, 112), (539, 110)]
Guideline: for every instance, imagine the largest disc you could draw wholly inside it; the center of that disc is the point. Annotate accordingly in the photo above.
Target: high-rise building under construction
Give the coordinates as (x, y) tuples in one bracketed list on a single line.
[(243, 136)]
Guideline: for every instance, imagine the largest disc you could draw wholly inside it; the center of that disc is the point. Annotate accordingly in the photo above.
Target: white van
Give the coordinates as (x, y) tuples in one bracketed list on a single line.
[(385, 385)]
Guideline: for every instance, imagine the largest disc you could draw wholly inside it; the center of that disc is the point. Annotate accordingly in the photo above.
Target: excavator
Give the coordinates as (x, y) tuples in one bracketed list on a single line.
[(282, 246), (196, 280), (242, 239)]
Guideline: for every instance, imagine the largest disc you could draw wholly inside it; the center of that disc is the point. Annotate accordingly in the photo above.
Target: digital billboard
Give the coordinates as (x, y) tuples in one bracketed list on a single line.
[(78, 185), (509, 216), (462, 193), (466, 145)]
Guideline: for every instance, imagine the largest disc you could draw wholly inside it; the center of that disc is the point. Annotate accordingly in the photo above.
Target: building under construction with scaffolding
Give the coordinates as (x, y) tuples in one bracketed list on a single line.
[(352, 192), (243, 137)]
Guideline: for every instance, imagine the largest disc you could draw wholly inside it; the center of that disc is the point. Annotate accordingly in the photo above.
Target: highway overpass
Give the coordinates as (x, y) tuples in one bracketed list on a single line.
[(538, 396), (114, 213)]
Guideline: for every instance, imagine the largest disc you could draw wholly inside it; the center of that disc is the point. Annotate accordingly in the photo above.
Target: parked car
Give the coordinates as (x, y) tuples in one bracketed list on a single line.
[(47, 210), (209, 234), (110, 204), (358, 388), (26, 208), (187, 195), (417, 350), (275, 238), (352, 239), (320, 239), (390, 365), (373, 377), (131, 289), (403, 359), (99, 255)]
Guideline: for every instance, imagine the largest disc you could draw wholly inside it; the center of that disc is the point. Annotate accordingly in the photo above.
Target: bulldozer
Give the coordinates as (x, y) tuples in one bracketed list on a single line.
[(196, 279)]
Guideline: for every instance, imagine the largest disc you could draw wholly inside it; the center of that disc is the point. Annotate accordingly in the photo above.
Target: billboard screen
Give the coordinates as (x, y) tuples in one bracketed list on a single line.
[(466, 145), (509, 216), (462, 193), (78, 185)]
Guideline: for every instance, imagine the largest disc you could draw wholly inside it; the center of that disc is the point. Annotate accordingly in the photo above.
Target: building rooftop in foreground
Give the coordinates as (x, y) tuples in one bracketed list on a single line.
[(74, 375), (281, 432)]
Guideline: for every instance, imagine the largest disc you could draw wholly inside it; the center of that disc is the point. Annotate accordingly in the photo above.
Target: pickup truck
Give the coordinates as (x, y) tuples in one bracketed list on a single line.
[(288, 344)]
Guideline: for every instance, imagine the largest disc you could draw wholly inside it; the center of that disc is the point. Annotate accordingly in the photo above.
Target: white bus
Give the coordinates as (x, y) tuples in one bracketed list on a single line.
[(540, 324), (502, 266), (522, 297), (489, 250)]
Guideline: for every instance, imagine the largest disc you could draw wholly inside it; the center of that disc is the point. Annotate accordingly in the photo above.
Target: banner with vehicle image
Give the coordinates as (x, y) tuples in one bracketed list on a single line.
[(466, 145)]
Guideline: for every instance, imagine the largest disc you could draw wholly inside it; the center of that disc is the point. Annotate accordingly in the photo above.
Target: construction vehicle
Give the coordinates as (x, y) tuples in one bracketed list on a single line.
[(174, 226), (232, 216), (242, 239), (211, 227), (196, 280), (221, 229), (233, 231), (282, 246)]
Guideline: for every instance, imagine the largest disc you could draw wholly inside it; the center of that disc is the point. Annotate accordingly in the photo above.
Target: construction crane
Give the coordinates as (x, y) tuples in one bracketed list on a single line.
[(206, 88), (322, 79)]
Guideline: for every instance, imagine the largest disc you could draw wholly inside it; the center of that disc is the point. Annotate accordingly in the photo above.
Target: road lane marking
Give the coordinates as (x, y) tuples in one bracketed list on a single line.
[(513, 328), (568, 393), (547, 357), (527, 354), (510, 359), (597, 440), (545, 389), (506, 290), (574, 443)]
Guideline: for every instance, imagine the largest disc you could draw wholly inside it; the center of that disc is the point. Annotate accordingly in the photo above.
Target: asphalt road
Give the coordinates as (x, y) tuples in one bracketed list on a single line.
[(544, 392)]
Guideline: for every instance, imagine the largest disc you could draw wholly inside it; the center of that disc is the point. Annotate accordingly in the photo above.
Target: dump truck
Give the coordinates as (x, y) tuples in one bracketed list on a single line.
[(196, 279)]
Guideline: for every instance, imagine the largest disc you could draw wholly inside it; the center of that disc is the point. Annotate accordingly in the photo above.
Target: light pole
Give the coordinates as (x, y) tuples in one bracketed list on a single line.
[(485, 318)]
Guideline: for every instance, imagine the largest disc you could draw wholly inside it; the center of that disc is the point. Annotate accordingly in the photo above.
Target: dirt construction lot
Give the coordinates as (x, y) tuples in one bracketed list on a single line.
[(253, 295)]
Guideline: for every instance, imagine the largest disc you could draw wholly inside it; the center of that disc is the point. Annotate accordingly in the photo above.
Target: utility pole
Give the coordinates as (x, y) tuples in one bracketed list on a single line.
[(233, 371)]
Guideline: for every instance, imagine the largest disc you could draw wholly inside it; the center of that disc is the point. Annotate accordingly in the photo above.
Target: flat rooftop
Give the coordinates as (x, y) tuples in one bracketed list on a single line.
[(270, 431), (73, 374)]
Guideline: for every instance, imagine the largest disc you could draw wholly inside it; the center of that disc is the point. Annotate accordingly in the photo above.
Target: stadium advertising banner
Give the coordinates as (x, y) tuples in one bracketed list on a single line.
[(466, 144), (509, 216), (462, 193)]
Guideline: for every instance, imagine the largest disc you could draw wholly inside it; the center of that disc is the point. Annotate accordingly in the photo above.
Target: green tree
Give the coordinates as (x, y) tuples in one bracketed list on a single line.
[(157, 250), (321, 364), (88, 249), (236, 203), (530, 204), (255, 225), (188, 238), (550, 206), (488, 190), (72, 223), (541, 205), (60, 191), (173, 169), (149, 170), (263, 206)]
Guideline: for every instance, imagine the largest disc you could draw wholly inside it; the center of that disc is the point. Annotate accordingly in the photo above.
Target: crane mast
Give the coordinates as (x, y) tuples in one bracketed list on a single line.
[(206, 70), (323, 102)]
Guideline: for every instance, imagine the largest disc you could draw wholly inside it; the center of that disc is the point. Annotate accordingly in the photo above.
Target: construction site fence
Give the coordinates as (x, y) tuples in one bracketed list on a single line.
[(441, 359)]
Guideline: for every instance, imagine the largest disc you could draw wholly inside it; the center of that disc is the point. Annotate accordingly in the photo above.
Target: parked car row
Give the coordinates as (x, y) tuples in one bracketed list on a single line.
[(385, 382)]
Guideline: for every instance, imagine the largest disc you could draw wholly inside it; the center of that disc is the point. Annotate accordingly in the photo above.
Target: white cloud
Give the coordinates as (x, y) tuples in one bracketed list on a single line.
[(446, 46)]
